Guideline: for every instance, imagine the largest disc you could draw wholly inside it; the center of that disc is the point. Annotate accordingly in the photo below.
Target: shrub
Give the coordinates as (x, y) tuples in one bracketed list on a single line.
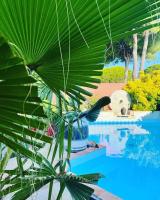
[(145, 92), (114, 75), (152, 68)]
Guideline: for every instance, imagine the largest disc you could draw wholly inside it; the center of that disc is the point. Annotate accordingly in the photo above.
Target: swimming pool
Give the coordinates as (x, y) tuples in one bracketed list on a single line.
[(130, 160)]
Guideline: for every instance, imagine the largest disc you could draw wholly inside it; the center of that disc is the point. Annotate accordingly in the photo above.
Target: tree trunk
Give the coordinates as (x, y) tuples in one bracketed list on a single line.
[(135, 57), (126, 70), (144, 51)]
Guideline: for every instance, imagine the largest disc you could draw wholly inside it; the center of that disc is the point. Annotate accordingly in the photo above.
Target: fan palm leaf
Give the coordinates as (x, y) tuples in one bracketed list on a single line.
[(64, 41), (19, 103)]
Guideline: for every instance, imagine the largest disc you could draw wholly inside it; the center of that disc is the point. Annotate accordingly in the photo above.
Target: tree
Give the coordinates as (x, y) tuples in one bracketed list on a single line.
[(154, 43), (148, 45), (135, 56), (122, 52), (144, 51)]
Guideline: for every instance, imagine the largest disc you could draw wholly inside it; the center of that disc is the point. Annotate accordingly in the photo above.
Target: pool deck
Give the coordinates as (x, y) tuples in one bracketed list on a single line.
[(99, 193), (135, 117)]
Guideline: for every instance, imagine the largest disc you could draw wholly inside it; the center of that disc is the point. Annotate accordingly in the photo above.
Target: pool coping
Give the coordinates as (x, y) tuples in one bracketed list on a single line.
[(99, 193), (137, 117)]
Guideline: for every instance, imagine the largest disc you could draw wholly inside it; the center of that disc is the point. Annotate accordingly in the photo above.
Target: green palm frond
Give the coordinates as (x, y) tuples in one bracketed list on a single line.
[(20, 108), (64, 41), (34, 179), (23, 188), (76, 186)]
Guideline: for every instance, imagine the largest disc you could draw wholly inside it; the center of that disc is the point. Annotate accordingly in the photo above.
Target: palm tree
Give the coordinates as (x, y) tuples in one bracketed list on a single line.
[(62, 42)]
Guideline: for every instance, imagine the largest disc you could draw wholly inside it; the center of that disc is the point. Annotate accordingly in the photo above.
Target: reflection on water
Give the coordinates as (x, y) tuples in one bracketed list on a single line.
[(140, 142)]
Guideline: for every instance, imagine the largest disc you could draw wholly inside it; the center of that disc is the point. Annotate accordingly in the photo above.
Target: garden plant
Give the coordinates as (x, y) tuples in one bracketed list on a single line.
[(60, 44)]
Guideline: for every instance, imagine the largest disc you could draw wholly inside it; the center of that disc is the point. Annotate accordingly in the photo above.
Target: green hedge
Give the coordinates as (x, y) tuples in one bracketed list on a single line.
[(114, 75), (152, 68)]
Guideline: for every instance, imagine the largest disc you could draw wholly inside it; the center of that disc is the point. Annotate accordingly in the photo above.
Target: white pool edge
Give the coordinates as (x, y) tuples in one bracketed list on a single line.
[(137, 116)]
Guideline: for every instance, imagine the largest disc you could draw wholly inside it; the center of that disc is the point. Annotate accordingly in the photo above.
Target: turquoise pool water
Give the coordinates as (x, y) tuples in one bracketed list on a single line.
[(130, 160)]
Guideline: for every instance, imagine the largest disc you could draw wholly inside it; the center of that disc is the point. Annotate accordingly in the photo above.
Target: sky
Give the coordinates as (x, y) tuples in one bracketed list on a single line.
[(147, 64)]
